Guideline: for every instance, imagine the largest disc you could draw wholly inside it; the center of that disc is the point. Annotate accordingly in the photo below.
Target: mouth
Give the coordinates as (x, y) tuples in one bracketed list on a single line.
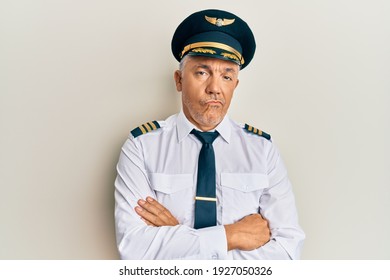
[(214, 102)]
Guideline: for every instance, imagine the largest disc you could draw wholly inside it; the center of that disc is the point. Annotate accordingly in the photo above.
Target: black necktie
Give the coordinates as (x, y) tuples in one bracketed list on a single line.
[(205, 200)]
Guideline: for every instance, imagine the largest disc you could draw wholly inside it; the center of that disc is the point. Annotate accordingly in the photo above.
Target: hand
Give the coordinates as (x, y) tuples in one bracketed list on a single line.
[(247, 234), (154, 214)]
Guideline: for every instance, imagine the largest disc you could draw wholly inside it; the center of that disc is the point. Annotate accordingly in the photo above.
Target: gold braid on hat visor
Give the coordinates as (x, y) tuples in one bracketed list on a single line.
[(212, 45)]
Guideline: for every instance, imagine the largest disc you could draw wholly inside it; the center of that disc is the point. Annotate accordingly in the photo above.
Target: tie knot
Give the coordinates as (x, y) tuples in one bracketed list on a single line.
[(205, 137)]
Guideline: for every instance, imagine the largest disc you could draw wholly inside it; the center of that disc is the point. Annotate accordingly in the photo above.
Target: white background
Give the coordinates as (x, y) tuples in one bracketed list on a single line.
[(77, 76)]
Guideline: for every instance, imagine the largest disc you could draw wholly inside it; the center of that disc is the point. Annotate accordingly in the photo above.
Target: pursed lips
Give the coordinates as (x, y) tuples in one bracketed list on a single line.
[(214, 102)]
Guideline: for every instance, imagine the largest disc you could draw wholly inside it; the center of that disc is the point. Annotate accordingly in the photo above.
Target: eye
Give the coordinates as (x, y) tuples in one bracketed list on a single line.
[(201, 73), (228, 78)]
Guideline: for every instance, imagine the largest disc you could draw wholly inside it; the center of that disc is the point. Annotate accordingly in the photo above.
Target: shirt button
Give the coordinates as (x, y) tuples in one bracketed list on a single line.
[(214, 257)]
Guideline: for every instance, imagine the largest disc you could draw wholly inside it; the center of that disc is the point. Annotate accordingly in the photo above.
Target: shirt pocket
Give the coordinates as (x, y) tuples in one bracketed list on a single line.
[(241, 193), (176, 193)]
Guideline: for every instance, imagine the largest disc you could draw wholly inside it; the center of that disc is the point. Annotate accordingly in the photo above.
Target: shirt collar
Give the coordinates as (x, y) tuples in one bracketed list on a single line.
[(184, 127)]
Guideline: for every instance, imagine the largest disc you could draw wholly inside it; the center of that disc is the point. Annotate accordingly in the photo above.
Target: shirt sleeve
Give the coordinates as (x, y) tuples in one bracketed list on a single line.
[(277, 205), (136, 240)]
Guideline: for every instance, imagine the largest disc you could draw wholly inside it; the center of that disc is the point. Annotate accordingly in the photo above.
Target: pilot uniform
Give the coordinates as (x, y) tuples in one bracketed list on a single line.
[(160, 160)]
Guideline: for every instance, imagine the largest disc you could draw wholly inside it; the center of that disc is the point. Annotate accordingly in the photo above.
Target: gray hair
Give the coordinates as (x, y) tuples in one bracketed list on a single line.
[(183, 62)]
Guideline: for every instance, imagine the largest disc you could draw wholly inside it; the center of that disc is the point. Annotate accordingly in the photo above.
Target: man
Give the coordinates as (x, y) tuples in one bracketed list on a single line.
[(198, 185)]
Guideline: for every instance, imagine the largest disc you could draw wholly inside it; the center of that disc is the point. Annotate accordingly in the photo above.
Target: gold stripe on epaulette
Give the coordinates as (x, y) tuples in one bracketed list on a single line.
[(148, 128), (257, 131), (145, 128), (142, 129), (152, 125)]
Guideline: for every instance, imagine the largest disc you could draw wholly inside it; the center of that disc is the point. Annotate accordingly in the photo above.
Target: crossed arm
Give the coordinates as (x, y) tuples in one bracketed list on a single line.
[(160, 236), (247, 234)]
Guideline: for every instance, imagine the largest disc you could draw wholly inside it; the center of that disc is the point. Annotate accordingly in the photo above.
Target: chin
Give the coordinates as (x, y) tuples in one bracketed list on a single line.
[(212, 120)]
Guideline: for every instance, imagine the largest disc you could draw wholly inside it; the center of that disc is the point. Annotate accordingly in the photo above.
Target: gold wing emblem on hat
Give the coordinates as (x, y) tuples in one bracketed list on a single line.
[(219, 21)]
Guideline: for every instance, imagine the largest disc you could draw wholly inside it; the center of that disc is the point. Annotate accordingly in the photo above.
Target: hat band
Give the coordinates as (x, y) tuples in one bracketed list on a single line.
[(212, 45)]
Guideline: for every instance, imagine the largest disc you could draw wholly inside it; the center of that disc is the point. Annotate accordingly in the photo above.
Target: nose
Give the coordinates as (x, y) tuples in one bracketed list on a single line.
[(213, 86)]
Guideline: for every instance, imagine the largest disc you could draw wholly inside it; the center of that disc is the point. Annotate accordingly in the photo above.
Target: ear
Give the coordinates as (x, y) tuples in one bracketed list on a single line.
[(238, 81), (177, 77)]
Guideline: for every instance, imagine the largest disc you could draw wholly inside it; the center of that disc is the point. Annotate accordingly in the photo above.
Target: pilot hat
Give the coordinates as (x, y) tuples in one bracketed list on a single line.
[(214, 33)]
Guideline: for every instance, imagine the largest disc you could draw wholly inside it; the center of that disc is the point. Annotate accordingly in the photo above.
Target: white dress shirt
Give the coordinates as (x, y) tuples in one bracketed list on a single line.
[(250, 178)]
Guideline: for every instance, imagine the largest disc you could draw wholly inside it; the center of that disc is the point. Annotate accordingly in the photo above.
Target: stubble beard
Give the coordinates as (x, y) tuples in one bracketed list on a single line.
[(207, 118)]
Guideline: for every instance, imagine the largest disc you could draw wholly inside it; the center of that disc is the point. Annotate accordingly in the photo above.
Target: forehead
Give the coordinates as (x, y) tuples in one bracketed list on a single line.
[(203, 61)]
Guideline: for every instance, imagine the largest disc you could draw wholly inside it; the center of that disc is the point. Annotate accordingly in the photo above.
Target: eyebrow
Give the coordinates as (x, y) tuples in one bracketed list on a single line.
[(207, 67)]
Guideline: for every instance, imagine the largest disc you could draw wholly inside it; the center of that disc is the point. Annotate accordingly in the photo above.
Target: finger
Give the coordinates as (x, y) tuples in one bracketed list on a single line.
[(155, 206), (147, 222), (155, 213), (151, 208), (158, 209), (146, 216), (154, 219), (162, 215), (165, 216)]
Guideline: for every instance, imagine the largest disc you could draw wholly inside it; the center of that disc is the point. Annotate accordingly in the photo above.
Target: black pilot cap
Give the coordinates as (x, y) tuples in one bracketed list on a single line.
[(214, 33)]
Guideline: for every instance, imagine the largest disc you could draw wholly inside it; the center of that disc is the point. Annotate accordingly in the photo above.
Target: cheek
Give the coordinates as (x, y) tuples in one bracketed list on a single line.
[(190, 101), (191, 95), (228, 97)]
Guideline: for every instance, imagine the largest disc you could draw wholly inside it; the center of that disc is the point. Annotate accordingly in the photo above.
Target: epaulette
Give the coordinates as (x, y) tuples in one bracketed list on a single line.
[(145, 128), (256, 131)]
